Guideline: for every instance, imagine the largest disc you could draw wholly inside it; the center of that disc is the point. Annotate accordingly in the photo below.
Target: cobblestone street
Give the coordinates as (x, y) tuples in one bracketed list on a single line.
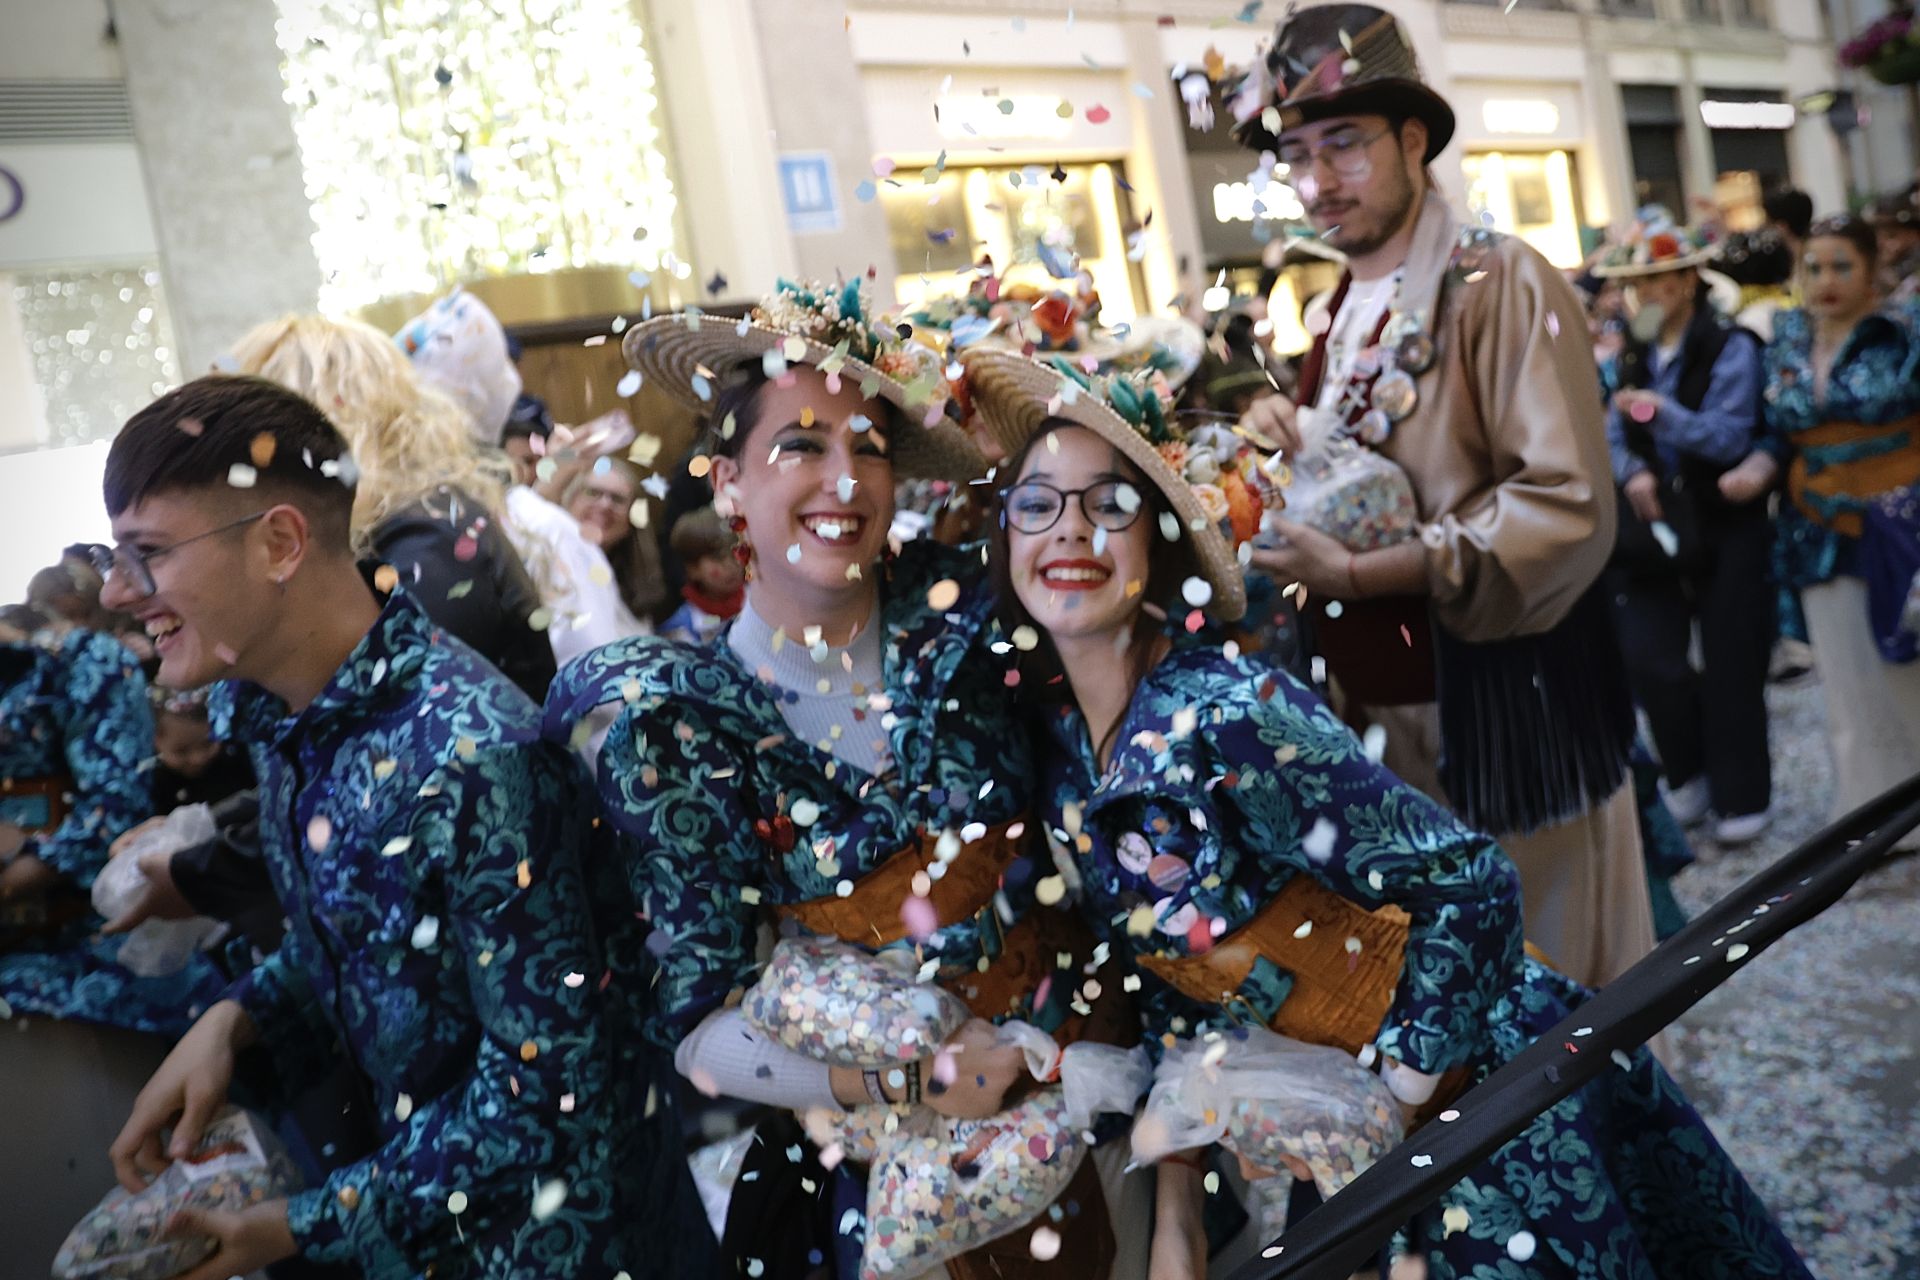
[(1807, 1064)]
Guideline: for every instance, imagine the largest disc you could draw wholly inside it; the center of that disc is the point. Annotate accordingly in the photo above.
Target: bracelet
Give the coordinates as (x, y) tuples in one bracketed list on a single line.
[(913, 1083), (871, 1078)]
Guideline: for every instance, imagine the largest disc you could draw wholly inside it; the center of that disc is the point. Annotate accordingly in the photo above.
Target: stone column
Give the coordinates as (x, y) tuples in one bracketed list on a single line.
[(222, 167), (715, 108), (1696, 140), (813, 85), (1175, 262)]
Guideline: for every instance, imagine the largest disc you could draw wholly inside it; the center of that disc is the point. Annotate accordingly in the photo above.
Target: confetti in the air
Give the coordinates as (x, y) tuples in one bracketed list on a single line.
[(548, 1199)]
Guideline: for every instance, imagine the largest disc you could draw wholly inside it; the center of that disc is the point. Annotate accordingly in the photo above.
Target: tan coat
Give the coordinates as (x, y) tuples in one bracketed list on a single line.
[(1507, 448)]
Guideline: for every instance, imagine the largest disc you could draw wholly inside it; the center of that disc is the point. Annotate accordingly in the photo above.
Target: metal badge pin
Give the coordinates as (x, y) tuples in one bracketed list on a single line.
[(1374, 427), (1395, 394), (1415, 353)]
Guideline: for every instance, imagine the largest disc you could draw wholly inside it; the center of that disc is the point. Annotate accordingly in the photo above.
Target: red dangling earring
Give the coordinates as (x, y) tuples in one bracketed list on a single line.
[(742, 549)]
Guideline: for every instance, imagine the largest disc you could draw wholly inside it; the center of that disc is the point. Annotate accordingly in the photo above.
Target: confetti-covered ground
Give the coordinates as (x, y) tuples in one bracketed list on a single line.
[(1807, 1063)]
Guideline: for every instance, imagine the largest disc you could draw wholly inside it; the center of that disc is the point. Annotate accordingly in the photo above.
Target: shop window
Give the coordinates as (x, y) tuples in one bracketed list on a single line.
[(939, 230), (1653, 140), (1530, 194)]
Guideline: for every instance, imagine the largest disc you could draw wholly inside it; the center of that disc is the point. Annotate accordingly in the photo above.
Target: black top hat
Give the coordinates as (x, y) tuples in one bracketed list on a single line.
[(1338, 60)]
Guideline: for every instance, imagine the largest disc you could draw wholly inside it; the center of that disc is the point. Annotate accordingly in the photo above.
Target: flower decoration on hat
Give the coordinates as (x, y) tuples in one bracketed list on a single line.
[(1024, 316), (692, 355), (838, 318), (1656, 243), (1223, 469)]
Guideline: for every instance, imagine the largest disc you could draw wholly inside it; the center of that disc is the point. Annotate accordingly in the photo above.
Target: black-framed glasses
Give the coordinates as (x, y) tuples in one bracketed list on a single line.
[(1035, 506), (138, 564), (1344, 153)]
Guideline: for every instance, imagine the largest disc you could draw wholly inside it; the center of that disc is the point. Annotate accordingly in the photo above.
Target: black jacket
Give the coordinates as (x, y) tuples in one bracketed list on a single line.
[(456, 561)]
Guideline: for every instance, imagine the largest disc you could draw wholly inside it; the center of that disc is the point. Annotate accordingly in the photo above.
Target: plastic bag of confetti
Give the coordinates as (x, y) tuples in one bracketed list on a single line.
[(1352, 494), (238, 1163), (155, 947), (850, 1007), (1263, 1096), (938, 1187)]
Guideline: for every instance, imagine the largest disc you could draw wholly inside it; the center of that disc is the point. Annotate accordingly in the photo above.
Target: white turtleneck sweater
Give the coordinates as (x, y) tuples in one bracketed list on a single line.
[(818, 688)]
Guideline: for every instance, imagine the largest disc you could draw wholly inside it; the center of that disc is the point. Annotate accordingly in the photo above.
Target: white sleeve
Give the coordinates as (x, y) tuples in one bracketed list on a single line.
[(725, 1056), (593, 613)]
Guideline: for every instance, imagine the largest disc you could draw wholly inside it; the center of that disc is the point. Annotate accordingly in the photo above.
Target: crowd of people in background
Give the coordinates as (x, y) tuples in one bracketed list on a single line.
[(377, 795)]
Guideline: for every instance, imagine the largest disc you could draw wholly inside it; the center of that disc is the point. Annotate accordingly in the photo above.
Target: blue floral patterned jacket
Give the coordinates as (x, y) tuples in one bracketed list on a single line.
[(700, 770), (77, 706), (1222, 775), (426, 846), (1875, 379)]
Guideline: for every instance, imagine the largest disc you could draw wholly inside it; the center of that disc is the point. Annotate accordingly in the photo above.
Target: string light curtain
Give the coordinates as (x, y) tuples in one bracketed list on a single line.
[(444, 140), (97, 340)]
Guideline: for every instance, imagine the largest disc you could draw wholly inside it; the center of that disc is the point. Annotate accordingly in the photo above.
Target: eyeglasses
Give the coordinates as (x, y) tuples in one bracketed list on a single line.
[(138, 565), (1035, 507), (1344, 153)]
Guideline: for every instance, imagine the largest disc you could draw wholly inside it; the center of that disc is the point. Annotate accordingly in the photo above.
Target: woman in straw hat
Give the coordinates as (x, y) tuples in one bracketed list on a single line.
[(848, 731), (1233, 836)]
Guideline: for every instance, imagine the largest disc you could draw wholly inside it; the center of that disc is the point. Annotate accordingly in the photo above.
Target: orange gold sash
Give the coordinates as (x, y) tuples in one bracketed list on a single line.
[(1340, 996), (47, 794), (1859, 478)]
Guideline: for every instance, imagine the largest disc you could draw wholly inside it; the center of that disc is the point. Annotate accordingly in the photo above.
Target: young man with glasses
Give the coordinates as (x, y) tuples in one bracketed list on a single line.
[(428, 850), (1483, 645)]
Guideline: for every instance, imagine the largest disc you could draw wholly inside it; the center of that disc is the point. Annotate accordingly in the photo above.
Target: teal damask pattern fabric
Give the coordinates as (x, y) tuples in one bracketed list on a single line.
[(722, 813), (428, 847), (77, 706), (1229, 779), (1875, 379)]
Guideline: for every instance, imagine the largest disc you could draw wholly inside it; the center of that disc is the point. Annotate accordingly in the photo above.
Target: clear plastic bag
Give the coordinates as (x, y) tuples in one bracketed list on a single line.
[(849, 1007), (1352, 494), (238, 1163), (155, 947), (1263, 1096), (938, 1187)]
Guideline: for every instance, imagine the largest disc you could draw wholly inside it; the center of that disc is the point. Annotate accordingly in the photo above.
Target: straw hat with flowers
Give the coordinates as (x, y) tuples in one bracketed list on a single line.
[(1014, 395), (694, 356)]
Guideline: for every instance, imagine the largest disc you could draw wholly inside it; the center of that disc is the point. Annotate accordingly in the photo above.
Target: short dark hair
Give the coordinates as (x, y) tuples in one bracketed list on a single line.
[(699, 534), (1755, 258), (207, 433), (1791, 208), (1855, 230)]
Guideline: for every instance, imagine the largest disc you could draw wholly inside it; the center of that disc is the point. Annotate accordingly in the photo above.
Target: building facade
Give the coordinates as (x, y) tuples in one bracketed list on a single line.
[(172, 173)]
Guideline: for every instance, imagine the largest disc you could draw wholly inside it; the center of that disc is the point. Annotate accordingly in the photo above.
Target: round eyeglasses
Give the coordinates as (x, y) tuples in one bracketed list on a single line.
[(1344, 153), (1035, 506), (138, 564)]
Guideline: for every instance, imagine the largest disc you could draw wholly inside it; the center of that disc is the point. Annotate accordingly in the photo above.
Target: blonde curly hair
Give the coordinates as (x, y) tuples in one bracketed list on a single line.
[(408, 440)]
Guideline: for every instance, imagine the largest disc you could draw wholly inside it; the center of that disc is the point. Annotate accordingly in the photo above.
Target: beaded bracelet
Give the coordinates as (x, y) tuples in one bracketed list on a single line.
[(871, 1078)]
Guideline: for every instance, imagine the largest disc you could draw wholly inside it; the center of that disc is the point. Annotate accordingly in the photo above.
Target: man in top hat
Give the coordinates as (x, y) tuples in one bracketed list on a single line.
[(1484, 645)]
